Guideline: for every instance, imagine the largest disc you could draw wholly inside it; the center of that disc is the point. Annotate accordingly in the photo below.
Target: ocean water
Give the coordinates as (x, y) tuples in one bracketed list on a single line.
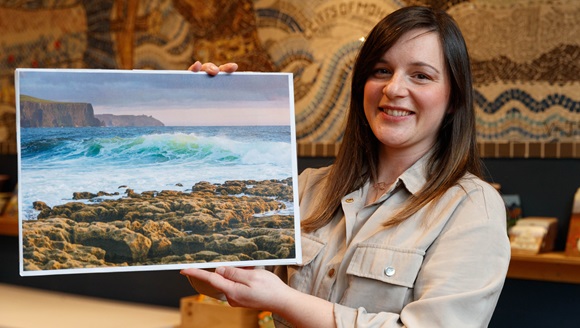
[(55, 162)]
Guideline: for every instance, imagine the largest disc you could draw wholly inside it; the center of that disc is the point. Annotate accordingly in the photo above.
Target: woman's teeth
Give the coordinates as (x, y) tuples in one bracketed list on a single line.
[(394, 112)]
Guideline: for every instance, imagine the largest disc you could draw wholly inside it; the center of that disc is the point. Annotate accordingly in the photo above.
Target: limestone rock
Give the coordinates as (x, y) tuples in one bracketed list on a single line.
[(233, 221)]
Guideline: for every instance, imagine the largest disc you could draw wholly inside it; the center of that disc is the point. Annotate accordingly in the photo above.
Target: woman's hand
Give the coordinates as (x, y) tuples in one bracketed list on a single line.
[(261, 289), (213, 69), (203, 287), (246, 287)]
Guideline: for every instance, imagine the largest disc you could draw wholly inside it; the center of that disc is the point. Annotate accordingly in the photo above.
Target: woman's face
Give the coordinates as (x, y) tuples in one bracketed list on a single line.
[(407, 95)]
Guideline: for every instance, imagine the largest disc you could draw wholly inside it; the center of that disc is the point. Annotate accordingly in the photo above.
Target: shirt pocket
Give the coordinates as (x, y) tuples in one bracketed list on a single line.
[(381, 277), (300, 276)]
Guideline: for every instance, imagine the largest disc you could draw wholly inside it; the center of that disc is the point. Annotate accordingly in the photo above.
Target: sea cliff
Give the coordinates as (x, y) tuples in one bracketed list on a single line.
[(36, 114), (41, 113)]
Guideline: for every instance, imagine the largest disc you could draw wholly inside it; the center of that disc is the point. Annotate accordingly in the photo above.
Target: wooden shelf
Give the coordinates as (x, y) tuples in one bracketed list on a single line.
[(8, 226), (554, 266)]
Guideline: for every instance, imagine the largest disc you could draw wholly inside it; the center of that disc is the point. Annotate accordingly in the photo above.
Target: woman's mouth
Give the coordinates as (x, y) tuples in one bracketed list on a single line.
[(396, 112)]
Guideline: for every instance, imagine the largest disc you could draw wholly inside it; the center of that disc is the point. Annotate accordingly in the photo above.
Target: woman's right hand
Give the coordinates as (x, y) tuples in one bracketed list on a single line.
[(212, 69)]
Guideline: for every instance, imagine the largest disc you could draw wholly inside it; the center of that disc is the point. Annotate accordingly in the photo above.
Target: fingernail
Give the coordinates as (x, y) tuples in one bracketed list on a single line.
[(214, 68)]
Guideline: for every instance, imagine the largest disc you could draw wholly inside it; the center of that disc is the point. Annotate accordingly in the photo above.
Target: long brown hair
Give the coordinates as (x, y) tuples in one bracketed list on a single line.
[(455, 151)]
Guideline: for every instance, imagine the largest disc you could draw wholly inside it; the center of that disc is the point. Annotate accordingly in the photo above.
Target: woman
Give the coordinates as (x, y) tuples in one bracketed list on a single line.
[(400, 230)]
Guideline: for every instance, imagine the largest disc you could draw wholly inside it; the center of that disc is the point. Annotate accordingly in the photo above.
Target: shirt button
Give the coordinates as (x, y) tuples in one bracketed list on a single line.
[(331, 273), (349, 200), (389, 271)]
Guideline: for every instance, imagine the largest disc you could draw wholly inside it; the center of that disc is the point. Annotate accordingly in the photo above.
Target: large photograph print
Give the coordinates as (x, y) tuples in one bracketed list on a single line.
[(153, 170)]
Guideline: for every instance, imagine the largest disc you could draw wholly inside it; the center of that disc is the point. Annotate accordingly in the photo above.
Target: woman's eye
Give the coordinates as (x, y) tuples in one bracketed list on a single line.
[(422, 76), (381, 72)]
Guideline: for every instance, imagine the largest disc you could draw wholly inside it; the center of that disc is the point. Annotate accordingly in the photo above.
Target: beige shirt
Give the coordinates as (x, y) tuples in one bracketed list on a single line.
[(443, 267)]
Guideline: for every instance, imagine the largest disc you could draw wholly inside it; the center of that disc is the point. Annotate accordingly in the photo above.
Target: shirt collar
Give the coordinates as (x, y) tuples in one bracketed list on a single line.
[(415, 177)]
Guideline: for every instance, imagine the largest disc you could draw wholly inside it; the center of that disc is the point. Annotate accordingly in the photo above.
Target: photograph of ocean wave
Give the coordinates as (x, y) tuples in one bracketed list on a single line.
[(138, 170)]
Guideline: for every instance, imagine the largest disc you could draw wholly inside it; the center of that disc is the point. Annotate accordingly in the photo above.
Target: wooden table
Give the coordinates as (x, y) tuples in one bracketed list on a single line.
[(26, 307)]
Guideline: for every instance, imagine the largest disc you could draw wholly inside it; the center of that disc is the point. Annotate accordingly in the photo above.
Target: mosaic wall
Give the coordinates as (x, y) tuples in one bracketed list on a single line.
[(525, 54)]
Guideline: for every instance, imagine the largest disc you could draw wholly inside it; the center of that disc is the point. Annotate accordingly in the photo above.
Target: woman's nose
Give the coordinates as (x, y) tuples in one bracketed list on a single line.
[(395, 87)]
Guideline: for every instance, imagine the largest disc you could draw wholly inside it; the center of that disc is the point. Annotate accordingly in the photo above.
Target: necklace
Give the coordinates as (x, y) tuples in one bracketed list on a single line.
[(381, 186), (380, 189)]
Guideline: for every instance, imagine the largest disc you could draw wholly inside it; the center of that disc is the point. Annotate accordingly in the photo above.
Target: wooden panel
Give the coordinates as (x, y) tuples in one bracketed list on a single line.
[(487, 149)]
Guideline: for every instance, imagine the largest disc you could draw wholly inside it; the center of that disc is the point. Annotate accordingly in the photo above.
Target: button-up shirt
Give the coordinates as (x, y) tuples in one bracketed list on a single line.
[(442, 267)]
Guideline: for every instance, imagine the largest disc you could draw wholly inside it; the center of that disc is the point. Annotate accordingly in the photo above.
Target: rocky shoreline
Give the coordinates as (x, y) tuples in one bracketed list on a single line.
[(233, 221)]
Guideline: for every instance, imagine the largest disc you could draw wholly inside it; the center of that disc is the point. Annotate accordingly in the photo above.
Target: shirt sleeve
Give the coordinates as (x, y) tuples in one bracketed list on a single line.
[(462, 273)]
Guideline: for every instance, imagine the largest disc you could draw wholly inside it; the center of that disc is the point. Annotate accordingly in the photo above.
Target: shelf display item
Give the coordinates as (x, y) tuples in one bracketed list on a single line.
[(573, 240), (513, 208), (533, 235)]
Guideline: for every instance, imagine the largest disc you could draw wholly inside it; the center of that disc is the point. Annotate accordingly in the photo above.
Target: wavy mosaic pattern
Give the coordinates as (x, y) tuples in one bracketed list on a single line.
[(526, 66), (525, 53), (516, 115)]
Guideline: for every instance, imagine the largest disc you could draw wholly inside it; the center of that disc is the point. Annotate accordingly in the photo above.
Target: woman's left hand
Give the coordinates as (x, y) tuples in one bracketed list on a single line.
[(251, 288), (261, 289)]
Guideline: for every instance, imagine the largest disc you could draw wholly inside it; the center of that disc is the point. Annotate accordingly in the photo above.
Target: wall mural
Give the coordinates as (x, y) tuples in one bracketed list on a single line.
[(525, 56)]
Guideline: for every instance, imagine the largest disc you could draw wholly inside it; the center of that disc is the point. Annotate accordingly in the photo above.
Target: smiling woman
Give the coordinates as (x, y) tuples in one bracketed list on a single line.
[(407, 96), (400, 230)]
